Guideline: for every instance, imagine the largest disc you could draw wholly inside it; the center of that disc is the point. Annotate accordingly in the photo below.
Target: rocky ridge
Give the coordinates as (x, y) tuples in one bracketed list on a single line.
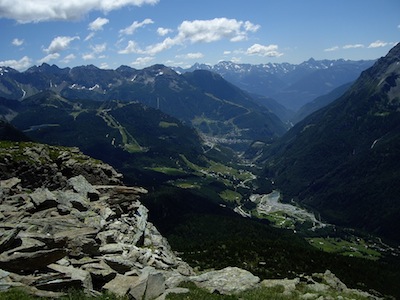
[(60, 229)]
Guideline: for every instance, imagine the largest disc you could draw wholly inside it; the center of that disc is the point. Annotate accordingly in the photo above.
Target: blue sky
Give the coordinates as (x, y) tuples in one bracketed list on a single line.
[(139, 33)]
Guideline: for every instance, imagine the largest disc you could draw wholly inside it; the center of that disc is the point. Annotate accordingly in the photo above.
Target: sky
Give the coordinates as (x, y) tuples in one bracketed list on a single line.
[(140, 33)]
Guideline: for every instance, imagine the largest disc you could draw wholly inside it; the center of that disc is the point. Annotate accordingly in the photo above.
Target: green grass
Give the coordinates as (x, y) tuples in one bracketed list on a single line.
[(164, 124), (261, 293), (354, 248), (169, 171), (231, 196)]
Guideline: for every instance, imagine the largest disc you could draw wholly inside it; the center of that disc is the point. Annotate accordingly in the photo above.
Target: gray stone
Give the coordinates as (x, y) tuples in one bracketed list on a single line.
[(75, 274), (122, 284), (230, 280), (333, 281), (9, 183), (138, 290), (289, 285), (119, 263), (43, 198), (83, 187), (155, 285), (112, 248)]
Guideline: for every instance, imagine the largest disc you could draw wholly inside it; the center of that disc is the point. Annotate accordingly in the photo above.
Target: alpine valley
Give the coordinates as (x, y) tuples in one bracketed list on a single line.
[(225, 176)]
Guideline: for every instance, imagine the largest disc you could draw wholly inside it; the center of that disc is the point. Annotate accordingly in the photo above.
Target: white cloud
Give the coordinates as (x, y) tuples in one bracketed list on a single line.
[(251, 27), (88, 56), (334, 48), (60, 43), (377, 44), (46, 10), (236, 60), (142, 61), (17, 42), (19, 65), (354, 46), (135, 25), (198, 31), (195, 55), (96, 49), (98, 24), (48, 58), (227, 52), (163, 31), (68, 58), (131, 48), (261, 50), (90, 36), (214, 30), (99, 48)]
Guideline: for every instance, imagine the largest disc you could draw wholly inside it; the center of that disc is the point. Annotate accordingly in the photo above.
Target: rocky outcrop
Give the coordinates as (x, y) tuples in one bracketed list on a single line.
[(60, 230), (39, 165)]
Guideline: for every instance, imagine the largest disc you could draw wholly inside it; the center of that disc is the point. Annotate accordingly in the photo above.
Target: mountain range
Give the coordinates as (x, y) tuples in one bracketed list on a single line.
[(291, 85), (201, 99), (343, 160)]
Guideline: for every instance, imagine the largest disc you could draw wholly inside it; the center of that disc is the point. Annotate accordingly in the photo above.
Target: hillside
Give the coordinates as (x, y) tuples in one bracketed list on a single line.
[(343, 160), (128, 135)]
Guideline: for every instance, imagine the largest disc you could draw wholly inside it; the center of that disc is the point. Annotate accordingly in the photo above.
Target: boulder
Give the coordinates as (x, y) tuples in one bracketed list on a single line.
[(230, 280), (155, 285), (122, 284)]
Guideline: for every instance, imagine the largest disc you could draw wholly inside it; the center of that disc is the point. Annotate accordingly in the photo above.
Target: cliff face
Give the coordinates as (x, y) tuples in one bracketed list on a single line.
[(60, 229)]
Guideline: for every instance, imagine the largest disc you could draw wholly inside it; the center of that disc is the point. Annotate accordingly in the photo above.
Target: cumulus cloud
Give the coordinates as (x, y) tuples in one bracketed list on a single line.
[(213, 30), (163, 31), (60, 43), (334, 48), (131, 48), (377, 44), (262, 50), (17, 42), (19, 65), (48, 58), (46, 10), (98, 24), (198, 31), (353, 46), (135, 25)]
